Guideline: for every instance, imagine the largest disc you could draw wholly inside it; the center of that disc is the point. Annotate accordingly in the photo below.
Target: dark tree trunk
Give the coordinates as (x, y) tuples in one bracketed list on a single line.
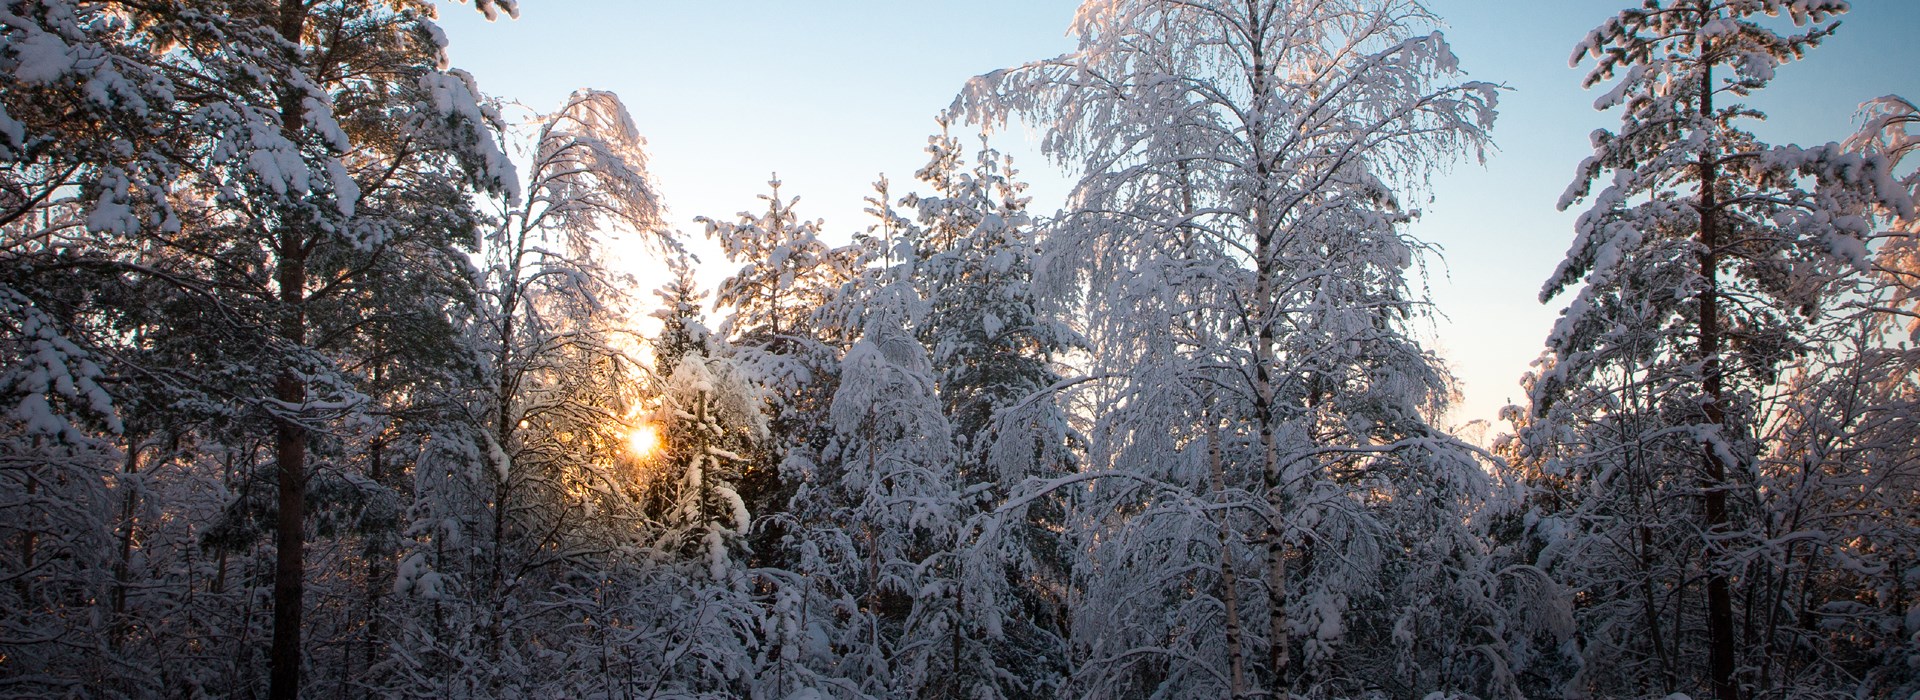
[(122, 565), (290, 444), (1713, 481)]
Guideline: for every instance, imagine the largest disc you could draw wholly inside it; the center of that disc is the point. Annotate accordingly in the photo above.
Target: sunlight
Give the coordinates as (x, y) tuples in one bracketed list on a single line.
[(644, 441)]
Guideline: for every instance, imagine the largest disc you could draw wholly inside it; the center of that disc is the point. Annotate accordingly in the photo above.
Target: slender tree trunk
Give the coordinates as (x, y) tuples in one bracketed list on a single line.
[(378, 581), (219, 583), (873, 593), (959, 619), (1650, 601), (289, 585), (29, 544), (505, 387), (122, 564), (496, 577), (1713, 482), (873, 564), (1263, 414), (1229, 581), (1264, 229)]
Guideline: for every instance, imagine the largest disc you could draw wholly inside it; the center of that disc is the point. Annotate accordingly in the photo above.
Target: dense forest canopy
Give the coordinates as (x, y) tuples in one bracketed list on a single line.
[(318, 377)]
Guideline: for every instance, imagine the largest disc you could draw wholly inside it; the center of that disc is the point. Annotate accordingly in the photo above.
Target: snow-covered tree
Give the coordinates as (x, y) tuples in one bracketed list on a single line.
[(1239, 254), (994, 359), (787, 279), (711, 419), (682, 331), (1831, 569), (1889, 131), (891, 486), (1702, 269), (197, 154), (550, 490), (786, 270), (68, 134)]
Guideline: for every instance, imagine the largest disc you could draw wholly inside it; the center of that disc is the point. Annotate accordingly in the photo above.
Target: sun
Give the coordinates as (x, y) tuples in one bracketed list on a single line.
[(644, 440)]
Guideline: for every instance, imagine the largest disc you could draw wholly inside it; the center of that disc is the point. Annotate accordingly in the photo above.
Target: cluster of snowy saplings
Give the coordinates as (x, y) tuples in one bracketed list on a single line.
[(315, 381)]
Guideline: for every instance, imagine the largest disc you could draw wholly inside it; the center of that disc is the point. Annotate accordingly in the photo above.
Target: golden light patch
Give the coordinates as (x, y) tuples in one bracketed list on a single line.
[(644, 441)]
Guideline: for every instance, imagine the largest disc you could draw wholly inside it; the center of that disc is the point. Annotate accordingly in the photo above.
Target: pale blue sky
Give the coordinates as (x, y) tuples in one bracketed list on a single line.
[(834, 92)]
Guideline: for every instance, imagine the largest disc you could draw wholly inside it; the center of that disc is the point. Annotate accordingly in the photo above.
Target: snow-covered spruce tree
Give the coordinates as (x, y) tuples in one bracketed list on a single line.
[(993, 354), (1239, 253), (1701, 270), (889, 484), (693, 610), (780, 627), (788, 278), (682, 330), (712, 423)]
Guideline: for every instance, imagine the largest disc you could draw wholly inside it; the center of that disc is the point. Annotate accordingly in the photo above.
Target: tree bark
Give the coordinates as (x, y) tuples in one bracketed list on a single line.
[(378, 581), (1229, 583), (1264, 229), (29, 545), (290, 445), (122, 565), (1713, 481)]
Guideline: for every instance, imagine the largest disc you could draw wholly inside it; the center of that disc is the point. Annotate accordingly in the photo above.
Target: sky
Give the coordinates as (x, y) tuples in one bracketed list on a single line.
[(831, 94)]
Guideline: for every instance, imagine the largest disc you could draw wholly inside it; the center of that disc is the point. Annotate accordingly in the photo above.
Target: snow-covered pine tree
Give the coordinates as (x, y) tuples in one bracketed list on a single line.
[(1835, 583), (59, 421), (214, 175), (1700, 270), (305, 182), (786, 272)]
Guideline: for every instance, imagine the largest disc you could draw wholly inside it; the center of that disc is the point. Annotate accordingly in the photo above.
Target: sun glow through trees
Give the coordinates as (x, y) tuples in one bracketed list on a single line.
[(644, 441)]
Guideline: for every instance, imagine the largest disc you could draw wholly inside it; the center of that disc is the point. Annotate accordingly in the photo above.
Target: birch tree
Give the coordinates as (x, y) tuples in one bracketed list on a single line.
[(1238, 241)]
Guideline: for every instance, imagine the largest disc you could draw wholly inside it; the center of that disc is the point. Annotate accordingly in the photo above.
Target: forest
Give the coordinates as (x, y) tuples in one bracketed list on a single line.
[(318, 378)]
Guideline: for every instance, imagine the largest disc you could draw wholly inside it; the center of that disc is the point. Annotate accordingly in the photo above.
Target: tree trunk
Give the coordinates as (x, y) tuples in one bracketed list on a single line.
[(29, 544), (1713, 481), (122, 564), (289, 585), (378, 580), (1650, 602), (873, 567), (959, 619), (1229, 583), (1261, 219)]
